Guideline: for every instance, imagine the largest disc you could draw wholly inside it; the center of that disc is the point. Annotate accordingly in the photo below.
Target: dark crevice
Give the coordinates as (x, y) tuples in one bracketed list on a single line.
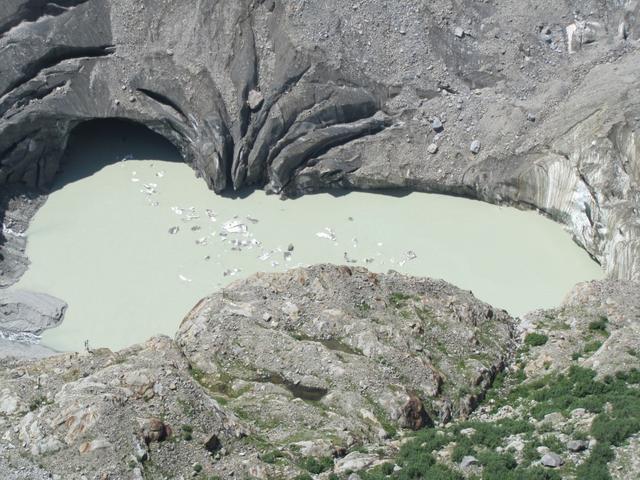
[(164, 100), (334, 141), (303, 392), (241, 153), (10, 149), (56, 56), (35, 9)]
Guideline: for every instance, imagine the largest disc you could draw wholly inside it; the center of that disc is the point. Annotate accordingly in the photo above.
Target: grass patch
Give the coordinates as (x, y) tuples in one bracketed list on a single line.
[(600, 325), (399, 300), (316, 465), (535, 339)]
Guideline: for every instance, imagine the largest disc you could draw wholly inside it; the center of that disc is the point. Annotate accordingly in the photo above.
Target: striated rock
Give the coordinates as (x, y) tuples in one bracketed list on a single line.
[(293, 102), (22, 311)]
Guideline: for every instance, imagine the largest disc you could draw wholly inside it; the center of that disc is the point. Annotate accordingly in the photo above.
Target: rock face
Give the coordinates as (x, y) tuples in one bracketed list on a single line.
[(380, 351), (22, 311), (297, 96), (345, 358)]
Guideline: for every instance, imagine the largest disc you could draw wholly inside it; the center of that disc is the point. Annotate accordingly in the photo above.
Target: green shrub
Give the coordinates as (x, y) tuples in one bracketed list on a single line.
[(595, 467), (592, 346), (535, 339), (271, 457), (599, 325), (316, 465), (399, 300)]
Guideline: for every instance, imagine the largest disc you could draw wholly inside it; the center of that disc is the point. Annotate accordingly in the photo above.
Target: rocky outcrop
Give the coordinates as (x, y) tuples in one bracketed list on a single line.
[(22, 311), (380, 351), (313, 362), (299, 96)]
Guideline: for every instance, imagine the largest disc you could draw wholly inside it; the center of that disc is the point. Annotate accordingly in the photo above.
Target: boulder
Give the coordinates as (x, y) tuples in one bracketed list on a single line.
[(552, 460), (23, 311)]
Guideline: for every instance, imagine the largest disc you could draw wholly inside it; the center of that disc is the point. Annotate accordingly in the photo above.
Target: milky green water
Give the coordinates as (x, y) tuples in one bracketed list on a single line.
[(133, 244)]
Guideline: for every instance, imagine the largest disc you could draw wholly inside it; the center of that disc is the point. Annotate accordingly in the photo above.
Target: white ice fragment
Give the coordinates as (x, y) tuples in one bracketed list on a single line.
[(234, 226), (184, 279), (265, 256), (287, 256), (160, 174), (135, 180), (177, 210), (231, 272), (201, 241)]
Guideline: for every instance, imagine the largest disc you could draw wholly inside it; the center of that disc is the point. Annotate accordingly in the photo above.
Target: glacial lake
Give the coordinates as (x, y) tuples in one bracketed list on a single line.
[(131, 239)]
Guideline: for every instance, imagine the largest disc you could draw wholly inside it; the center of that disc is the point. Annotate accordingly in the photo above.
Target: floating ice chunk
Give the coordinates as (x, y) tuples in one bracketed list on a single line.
[(195, 228), (177, 210), (135, 180), (328, 234), (411, 255), (149, 188), (369, 260), (380, 244), (355, 242), (287, 256), (349, 260), (160, 174), (274, 264), (174, 230), (234, 226), (211, 214), (201, 241), (128, 157), (188, 218), (252, 219), (184, 279), (231, 272), (265, 256)]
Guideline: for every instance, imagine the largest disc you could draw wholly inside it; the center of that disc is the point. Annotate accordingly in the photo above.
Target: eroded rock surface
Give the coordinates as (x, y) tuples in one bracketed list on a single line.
[(297, 96)]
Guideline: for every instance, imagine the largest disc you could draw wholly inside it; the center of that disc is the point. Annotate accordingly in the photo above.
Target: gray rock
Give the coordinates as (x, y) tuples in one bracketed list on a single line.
[(552, 460), (23, 311), (255, 100), (354, 461), (475, 147), (458, 32), (436, 124), (468, 461), (577, 445), (432, 148)]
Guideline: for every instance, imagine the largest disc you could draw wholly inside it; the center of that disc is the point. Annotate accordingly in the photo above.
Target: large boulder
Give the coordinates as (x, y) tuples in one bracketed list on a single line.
[(23, 311), (343, 350)]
